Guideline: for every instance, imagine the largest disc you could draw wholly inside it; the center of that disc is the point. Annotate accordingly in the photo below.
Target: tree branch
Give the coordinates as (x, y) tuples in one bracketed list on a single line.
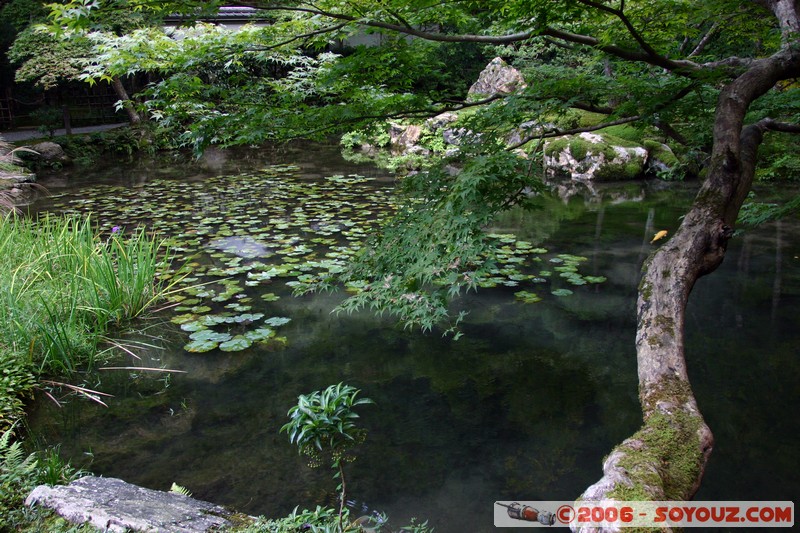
[(625, 120), (402, 28), (680, 67), (773, 125), (411, 113), (626, 22), (684, 68), (321, 31), (712, 31)]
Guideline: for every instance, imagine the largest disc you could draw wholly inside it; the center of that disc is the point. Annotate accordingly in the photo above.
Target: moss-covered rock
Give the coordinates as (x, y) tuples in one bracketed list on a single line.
[(591, 156)]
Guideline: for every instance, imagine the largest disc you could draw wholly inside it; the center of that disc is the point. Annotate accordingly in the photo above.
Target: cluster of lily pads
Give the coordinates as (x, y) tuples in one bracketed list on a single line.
[(566, 267), (249, 239)]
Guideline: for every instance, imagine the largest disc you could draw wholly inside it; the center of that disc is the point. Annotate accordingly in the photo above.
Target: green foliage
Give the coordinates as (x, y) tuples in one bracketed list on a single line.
[(46, 59), (178, 489), (656, 66), (63, 288), (756, 213), (20, 13), (16, 384), (326, 520), (18, 475), (49, 118), (322, 424), (320, 520), (436, 246), (54, 470)]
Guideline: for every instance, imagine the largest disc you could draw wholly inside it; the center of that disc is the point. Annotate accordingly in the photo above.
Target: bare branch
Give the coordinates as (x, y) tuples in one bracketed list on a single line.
[(320, 31), (402, 28), (769, 124), (400, 19), (592, 108), (680, 67), (705, 39), (671, 132), (626, 22)]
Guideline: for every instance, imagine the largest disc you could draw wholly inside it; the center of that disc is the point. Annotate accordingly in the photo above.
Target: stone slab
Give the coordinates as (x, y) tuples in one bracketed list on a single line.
[(114, 505)]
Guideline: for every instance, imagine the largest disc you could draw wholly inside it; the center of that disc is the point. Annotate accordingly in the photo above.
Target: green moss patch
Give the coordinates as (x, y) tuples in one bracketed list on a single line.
[(668, 454)]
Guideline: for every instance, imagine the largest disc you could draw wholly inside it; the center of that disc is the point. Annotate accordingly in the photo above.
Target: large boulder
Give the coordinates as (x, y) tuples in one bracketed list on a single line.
[(404, 137), (50, 153), (589, 156), (114, 505), (662, 161), (497, 78)]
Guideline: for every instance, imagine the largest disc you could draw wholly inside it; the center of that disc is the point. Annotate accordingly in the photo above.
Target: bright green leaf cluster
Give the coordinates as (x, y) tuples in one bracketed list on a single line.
[(323, 422)]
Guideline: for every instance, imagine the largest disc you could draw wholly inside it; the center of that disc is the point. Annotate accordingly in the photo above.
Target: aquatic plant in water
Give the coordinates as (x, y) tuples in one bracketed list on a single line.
[(250, 239), (322, 426)]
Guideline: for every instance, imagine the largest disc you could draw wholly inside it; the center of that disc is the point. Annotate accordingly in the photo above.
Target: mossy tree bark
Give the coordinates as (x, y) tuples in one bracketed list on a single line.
[(666, 458)]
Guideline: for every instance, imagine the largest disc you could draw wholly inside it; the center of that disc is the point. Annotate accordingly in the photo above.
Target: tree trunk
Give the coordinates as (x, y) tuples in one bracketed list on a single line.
[(666, 458), (133, 116)]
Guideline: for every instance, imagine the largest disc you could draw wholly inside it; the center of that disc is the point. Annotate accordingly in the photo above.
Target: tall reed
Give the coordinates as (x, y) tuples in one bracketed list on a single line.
[(62, 287)]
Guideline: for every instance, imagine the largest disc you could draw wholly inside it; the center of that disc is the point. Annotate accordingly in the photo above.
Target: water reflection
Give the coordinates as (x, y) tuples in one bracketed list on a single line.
[(524, 407)]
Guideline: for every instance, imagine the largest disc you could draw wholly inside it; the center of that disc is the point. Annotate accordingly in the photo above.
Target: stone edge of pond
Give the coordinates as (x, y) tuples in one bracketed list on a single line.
[(112, 504)]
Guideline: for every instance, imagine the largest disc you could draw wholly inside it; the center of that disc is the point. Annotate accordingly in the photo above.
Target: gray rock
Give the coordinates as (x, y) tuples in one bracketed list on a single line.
[(50, 152), (662, 159), (404, 137), (460, 136), (497, 78), (114, 505), (440, 121)]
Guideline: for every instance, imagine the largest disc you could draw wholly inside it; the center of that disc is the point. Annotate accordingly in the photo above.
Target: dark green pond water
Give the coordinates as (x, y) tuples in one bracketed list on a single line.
[(523, 407)]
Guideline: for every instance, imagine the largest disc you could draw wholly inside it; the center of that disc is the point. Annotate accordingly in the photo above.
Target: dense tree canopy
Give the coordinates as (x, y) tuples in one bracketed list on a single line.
[(709, 77)]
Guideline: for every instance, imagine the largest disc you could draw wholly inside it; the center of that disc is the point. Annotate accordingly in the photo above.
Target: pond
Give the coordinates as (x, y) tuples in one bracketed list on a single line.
[(523, 407)]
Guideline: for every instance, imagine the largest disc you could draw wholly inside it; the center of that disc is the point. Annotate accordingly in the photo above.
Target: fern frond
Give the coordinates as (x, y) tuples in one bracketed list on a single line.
[(177, 489)]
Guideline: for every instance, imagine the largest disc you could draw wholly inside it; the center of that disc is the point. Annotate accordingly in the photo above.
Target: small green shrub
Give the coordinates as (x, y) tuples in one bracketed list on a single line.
[(322, 426), (326, 520), (49, 119)]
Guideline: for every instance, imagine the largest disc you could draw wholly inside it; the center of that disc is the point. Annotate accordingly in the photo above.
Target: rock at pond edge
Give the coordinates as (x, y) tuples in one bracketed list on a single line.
[(114, 505)]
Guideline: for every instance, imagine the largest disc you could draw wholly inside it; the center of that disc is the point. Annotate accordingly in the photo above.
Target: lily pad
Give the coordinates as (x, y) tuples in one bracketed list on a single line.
[(200, 346), (277, 321), (210, 335), (527, 297), (561, 292), (194, 325), (260, 334), (236, 344)]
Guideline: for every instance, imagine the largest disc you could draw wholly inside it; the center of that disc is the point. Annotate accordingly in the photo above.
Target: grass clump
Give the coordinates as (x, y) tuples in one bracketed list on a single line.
[(62, 289)]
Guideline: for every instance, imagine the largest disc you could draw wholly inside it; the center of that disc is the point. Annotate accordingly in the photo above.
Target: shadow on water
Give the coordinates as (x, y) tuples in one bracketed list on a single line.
[(524, 407)]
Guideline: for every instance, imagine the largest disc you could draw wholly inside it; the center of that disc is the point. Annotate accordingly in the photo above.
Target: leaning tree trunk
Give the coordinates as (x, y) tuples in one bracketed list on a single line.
[(133, 116), (666, 458)]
